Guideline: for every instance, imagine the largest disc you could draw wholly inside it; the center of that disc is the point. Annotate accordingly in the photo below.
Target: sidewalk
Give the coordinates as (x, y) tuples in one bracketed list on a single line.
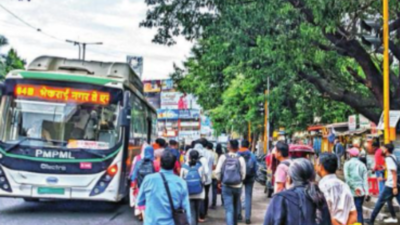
[(260, 203)]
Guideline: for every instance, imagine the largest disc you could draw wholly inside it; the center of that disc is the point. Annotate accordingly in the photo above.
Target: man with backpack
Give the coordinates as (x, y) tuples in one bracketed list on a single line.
[(392, 185), (145, 166), (193, 173), (251, 170), (231, 171)]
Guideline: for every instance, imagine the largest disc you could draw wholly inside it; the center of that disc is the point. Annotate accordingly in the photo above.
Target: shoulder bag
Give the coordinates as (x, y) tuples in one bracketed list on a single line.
[(179, 215)]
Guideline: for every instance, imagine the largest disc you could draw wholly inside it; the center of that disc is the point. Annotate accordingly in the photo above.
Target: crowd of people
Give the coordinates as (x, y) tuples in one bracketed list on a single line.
[(171, 184)]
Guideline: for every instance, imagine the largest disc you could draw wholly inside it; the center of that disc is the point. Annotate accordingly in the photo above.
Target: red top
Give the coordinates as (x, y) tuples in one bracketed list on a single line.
[(379, 160)]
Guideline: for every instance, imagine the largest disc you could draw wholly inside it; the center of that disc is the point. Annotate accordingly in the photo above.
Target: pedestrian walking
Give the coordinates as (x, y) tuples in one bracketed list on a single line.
[(391, 186), (231, 171), (339, 151), (209, 156), (219, 152), (165, 195), (302, 200), (356, 176), (193, 173), (248, 183), (337, 193), (282, 155), (214, 185), (159, 147), (173, 147), (379, 167)]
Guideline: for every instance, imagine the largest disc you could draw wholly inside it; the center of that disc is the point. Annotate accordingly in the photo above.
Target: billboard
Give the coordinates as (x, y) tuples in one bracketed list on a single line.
[(151, 86), (178, 114), (136, 63), (167, 85), (154, 99), (177, 100)]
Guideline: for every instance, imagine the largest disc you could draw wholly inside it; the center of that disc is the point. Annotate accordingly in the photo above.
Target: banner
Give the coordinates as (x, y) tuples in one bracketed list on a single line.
[(167, 85), (353, 122), (154, 99), (152, 86), (177, 100), (136, 63), (178, 114)]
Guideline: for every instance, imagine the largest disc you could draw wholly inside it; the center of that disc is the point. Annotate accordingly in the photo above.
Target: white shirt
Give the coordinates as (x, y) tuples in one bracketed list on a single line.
[(338, 197), (221, 162), (390, 165)]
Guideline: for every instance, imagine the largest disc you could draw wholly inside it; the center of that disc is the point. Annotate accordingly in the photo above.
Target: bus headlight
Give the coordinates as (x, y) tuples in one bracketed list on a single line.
[(104, 180), (4, 184)]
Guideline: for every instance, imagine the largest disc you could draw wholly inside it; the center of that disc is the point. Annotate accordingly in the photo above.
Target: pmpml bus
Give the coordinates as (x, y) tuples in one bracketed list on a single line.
[(70, 128)]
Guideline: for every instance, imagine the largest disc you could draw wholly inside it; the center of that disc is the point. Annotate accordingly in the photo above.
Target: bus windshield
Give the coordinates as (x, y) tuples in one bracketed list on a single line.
[(54, 124)]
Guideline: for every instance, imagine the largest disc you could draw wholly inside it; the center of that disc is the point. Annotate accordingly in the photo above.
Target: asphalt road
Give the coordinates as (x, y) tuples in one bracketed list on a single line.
[(19, 212)]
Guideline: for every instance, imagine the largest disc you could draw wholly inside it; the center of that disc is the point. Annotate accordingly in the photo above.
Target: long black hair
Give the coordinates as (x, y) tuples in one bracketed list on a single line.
[(302, 173), (218, 150), (193, 157)]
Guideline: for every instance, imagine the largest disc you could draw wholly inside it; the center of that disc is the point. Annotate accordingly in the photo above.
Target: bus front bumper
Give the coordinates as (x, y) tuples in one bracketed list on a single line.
[(45, 186)]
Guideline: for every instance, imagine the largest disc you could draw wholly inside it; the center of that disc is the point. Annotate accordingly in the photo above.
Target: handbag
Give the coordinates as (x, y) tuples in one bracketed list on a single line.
[(179, 215)]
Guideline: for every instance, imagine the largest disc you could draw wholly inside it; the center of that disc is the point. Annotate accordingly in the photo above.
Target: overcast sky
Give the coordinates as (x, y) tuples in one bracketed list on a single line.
[(113, 22)]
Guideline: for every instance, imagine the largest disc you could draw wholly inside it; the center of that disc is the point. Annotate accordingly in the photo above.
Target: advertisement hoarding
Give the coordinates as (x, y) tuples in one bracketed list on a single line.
[(136, 63), (151, 86), (178, 114), (177, 100), (154, 99)]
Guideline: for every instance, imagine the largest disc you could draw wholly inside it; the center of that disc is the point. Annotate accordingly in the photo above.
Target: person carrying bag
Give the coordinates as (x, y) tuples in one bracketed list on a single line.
[(179, 215)]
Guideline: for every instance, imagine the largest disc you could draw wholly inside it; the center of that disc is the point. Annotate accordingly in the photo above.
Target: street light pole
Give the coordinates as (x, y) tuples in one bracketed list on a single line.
[(386, 86)]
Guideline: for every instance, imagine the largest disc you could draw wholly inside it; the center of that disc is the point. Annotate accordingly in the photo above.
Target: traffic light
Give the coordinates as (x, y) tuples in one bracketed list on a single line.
[(372, 36)]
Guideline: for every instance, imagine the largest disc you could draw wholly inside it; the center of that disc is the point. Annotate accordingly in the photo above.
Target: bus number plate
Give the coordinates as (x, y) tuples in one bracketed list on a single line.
[(47, 190)]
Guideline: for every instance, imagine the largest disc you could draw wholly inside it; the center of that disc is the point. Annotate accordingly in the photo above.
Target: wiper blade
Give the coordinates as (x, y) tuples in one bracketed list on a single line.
[(90, 152), (33, 139)]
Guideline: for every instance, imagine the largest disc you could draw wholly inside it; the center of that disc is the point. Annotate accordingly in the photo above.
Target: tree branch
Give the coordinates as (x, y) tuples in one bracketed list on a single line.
[(357, 101)]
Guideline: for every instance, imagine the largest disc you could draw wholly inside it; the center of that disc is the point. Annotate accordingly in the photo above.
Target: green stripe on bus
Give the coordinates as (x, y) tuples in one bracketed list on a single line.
[(66, 77), (58, 160)]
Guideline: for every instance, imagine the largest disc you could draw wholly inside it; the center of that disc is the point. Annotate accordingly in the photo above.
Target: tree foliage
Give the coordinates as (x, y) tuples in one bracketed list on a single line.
[(10, 61), (310, 49)]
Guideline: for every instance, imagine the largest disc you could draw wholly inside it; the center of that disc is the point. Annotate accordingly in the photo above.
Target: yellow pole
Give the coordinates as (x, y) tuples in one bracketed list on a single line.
[(266, 124), (386, 87), (249, 131)]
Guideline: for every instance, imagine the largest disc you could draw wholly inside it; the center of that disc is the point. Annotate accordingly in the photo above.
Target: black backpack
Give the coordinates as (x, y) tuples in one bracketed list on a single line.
[(250, 168), (145, 169), (397, 162)]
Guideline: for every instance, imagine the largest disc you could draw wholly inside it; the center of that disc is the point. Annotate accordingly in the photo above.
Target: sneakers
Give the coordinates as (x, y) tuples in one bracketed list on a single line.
[(248, 222), (391, 220), (240, 218)]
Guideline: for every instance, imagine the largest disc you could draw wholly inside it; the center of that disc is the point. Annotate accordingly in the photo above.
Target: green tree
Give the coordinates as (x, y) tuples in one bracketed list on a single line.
[(10, 61), (314, 44)]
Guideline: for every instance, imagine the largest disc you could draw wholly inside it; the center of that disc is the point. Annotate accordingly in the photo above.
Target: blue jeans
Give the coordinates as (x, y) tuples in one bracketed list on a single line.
[(194, 210), (231, 204), (385, 196), (381, 184), (359, 201), (248, 191)]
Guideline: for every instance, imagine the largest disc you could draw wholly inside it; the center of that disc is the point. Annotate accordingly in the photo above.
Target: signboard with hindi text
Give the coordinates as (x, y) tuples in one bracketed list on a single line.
[(62, 94)]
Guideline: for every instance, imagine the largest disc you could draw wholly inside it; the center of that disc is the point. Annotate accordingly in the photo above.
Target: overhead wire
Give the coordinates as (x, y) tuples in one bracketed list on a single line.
[(30, 25)]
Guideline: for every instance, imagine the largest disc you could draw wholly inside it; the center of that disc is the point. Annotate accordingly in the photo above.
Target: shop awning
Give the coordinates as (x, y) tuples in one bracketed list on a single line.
[(394, 119)]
